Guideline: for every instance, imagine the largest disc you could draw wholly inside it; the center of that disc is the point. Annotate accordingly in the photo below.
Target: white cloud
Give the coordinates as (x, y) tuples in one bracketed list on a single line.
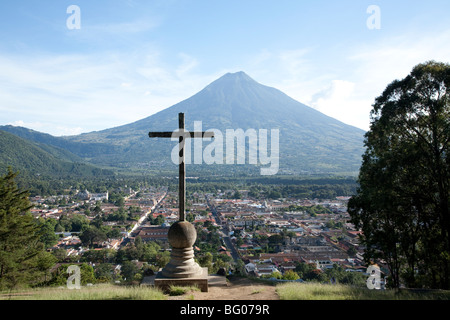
[(124, 28), (21, 123), (385, 61), (113, 34), (346, 85), (187, 65), (374, 66), (57, 130), (70, 94), (292, 71), (341, 102), (295, 62), (74, 93)]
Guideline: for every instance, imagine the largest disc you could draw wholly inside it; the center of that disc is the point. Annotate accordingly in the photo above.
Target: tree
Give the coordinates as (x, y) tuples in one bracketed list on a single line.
[(91, 235), (98, 208), (114, 233), (23, 259), (240, 266), (402, 203), (159, 220), (129, 270), (87, 274), (162, 259), (276, 239), (236, 195), (290, 275), (306, 271), (97, 221), (64, 224), (61, 275), (79, 222), (275, 274), (47, 232), (104, 272), (206, 260), (139, 244), (151, 250)]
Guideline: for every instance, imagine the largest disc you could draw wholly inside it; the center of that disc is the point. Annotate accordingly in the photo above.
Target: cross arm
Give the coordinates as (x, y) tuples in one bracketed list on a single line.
[(160, 134), (205, 134)]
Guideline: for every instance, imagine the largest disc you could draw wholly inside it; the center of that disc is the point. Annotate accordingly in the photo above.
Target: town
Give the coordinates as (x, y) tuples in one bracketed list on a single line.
[(237, 233)]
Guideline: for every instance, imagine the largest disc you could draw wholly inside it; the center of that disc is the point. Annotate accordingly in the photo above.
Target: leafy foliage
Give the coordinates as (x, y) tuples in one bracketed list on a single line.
[(402, 204), (23, 258), (42, 160), (61, 275)]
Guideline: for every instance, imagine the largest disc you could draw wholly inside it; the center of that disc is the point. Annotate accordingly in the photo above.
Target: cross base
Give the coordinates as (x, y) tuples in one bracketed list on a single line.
[(182, 264), (200, 280)]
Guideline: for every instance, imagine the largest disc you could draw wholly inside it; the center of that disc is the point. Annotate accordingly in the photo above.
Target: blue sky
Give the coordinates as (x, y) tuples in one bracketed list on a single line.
[(132, 58)]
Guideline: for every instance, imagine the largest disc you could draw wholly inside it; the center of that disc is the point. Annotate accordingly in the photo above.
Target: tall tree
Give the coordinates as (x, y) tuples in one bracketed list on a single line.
[(23, 259), (91, 235), (402, 204)]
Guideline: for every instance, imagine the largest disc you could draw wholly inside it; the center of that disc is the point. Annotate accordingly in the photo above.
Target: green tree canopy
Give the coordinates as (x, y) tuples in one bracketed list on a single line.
[(47, 232), (129, 270), (23, 259), (402, 204), (60, 275), (79, 222), (91, 235)]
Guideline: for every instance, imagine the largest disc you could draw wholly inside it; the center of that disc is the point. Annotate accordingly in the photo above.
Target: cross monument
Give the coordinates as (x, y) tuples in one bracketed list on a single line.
[(182, 234), (182, 134)]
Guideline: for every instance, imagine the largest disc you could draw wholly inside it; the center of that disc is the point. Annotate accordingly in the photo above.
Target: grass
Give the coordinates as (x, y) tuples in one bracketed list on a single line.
[(286, 291), (97, 292), (179, 290), (317, 291), (256, 291)]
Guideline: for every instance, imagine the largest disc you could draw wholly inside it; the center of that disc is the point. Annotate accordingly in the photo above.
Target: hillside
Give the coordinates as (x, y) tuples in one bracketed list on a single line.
[(39, 159), (59, 146)]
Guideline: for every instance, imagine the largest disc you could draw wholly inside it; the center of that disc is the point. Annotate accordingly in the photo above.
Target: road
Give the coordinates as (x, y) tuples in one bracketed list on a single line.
[(224, 232), (225, 236), (141, 220)]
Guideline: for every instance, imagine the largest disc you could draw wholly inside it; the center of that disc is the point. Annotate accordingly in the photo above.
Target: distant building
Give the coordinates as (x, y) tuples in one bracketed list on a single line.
[(153, 233), (260, 269), (87, 196), (84, 195), (99, 196)]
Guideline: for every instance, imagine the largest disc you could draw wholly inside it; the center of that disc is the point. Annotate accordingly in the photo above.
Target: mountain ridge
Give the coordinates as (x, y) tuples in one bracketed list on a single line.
[(33, 158), (309, 140)]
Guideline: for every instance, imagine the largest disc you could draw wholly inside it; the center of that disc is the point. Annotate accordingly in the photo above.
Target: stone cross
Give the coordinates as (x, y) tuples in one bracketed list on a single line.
[(182, 268), (182, 135)]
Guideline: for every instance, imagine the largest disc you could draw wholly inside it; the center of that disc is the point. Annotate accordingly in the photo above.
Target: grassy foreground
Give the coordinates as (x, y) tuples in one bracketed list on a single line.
[(97, 292), (317, 291), (286, 291)]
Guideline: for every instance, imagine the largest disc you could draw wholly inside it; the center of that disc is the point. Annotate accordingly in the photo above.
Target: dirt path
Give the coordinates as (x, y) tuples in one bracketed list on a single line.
[(237, 289)]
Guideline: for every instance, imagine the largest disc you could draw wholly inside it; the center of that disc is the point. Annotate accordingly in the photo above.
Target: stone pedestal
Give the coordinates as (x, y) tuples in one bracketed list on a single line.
[(200, 280), (182, 264), (182, 270)]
